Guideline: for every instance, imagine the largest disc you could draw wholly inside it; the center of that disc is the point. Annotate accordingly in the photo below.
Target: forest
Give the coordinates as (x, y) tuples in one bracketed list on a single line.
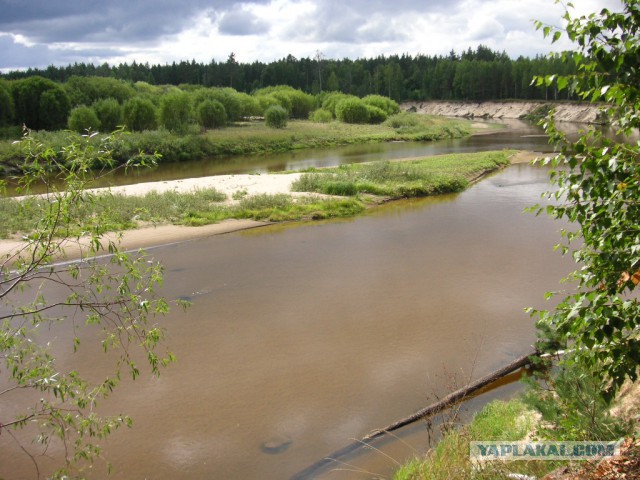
[(480, 74)]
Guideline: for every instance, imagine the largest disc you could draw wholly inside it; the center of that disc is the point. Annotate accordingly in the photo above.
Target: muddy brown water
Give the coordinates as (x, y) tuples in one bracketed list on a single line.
[(302, 337)]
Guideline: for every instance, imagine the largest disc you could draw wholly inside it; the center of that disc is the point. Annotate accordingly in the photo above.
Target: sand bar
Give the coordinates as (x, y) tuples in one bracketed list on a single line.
[(149, 236)]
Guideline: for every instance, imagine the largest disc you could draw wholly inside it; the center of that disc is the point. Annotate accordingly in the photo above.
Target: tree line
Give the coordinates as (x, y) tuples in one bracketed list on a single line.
[(475, 75)]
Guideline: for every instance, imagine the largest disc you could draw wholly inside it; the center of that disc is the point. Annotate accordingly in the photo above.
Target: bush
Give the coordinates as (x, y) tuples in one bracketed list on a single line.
[(321, 116), (352, 110), (235, 104), (140, 114), (376, 115), (331, 101), (297, 103), (109, 113), (391, 107), (267, 101), (276, 117), (82, 119), (175, 111), (402, 120), (211, 114)]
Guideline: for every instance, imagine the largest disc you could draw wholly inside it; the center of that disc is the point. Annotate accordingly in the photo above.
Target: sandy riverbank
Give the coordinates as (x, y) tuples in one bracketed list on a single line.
[(150, 236)]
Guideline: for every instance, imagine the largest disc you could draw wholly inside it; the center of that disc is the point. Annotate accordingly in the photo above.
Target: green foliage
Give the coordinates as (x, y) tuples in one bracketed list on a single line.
[(6, 106), (406, 179), (403, 120), (109, 112), (331, 100), (248, 105), (297, 103), (175, 111), (276, 117), (352, 110), (54, 109), (88, 90), (235, 104), (386, 104), (211, 114), (321, 116), (247, 139), (573, 406), (40, 104), (86, 306), (376, 115), (140, 114), (598, 189), (498, 420), (83, 119)]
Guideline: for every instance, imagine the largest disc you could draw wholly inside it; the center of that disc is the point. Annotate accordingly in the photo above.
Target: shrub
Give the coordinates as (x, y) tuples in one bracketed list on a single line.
[(331, 101), (391, 107), (248, 105), (376, 115), (140, 114), (235, 104), (321, 116), (109, 113), (82, 119), (402, 120), (175, 111), (297, 103), (276, 117), (266, 101), (352, 110), (211, 114)]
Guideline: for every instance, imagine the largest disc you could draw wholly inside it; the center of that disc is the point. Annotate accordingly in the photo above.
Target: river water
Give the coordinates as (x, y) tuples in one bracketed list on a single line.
[(302, 337), (519, 135)]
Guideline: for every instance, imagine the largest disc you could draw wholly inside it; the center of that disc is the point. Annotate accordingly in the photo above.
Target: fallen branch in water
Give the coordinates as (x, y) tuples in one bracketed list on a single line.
[(456, 396), (437, 407)]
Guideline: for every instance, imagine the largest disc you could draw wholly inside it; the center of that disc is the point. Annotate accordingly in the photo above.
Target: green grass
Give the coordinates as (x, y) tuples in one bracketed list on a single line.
[(510, 421), (384, 179), (417, 178), (118, 212), (249, 138)]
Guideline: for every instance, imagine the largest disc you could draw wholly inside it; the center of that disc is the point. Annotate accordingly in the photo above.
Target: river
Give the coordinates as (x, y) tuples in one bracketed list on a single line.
[(304, 336)]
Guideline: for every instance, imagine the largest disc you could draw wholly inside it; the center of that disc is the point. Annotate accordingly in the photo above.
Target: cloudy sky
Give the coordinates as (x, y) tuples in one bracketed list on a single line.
[(38, 33)]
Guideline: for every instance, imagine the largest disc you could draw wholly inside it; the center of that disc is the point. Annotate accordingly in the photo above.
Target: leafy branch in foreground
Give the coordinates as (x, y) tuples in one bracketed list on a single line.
[(48, 403), (598, 191)]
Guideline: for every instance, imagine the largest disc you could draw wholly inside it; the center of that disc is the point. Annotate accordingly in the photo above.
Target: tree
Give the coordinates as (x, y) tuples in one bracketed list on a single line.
[(211, 114), (6, 106), (93, 304), (352, 110), (40, 103), (109, 112), (598, 191), (140, 114), (175, 111), (83, 119)]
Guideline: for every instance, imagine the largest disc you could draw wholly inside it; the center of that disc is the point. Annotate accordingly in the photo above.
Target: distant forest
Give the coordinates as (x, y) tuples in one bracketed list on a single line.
[(477, 75)]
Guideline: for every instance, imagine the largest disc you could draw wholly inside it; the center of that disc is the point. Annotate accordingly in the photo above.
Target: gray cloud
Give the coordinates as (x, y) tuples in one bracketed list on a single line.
[(63, 31), (116, 21), (241, 22)]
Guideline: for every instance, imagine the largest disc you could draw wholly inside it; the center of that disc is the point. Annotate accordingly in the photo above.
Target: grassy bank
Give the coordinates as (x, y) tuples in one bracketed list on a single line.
[(503, 421), (388, 179), (248, 138), (415, 178)]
